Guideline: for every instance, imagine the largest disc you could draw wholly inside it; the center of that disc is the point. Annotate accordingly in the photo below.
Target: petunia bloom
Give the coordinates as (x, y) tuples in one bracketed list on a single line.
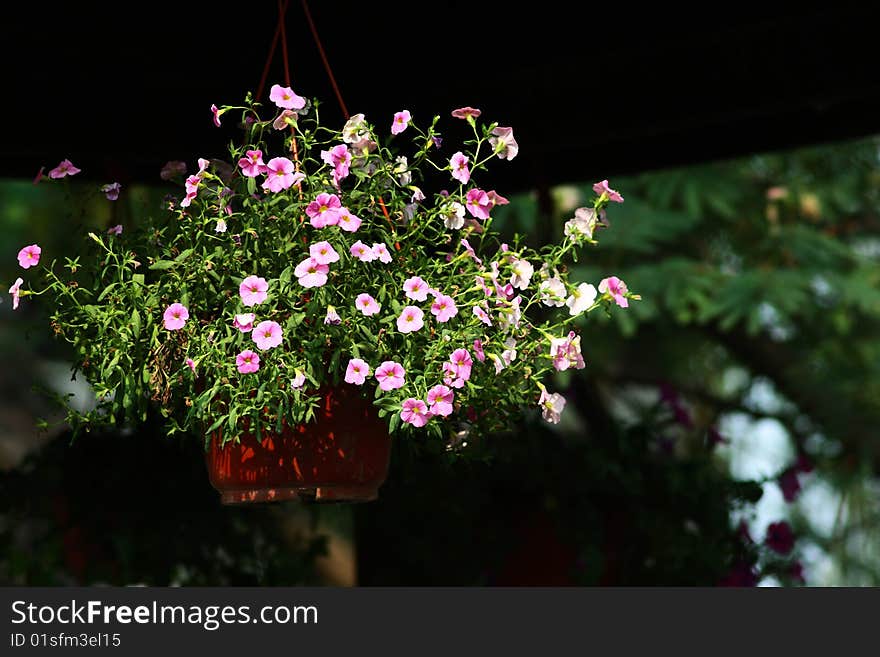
[(284, 120), (380, 252), (15, 291), (267, 335), (522, 273), (470, 251), (401, 122), (332, 317), (459, 165), (602, 188), (64, 168), (323, 253), (465, 113), (298, 380), (355, 130), (582, 297), (29, 256), (244, 322), (247, 361), (477, 203), (444, 308), (324, 210), (285, 98), (252, 164), (217, 113), (566, 352), (115, 230), (111, 191), (551, 406), (191, 364), (416, 289), (478, 351), (348, 221), (779, 537), (366, 304), (411, 319), (311, 273), (583, 224), (552, 292), (503, 143), (220, 227), (390, 375), (253, 290), (362, 252), (616, 288), (175, 316), (440, 399), (415, 412), (280, 175), (357, 371), (482, 315), (339, 158), (460, 359), (453, 215)]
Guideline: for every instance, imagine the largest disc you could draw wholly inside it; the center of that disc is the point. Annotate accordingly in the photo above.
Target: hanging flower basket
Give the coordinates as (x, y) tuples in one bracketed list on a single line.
[(342, 456)]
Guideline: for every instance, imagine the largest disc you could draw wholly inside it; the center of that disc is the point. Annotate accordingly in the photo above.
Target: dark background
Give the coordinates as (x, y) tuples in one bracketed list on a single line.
[(592, 90)]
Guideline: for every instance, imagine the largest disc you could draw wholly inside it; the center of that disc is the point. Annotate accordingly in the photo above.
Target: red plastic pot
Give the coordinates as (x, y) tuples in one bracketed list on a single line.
[(342, 456)]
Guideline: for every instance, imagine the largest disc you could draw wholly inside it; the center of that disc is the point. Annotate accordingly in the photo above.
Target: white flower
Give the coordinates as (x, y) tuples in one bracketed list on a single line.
[(583, 224), (509, 318), (354, 130), (551, 406), (582, 297), (552, 292), (404, 177), (453, 215), (522, 274), (221, 226), (509, 354)]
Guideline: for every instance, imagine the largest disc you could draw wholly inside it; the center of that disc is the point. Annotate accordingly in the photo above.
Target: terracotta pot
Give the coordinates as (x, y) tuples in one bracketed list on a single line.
[(340, 457)]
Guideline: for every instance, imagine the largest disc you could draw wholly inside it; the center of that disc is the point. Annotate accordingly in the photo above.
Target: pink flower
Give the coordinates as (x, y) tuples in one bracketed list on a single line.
[(478, 351), (461, 363), (65, 168), (459, 165), (602, 188), (191, 364), (252, 164), (416, 289), (440, 400), (204, 163), (324, 210), (366, 304), (551, 406), (496, 199), (244, 322), (339, 158), (415, 412), (401, 121), (380, 252), (477, 203), (616, 288), (482, 315), (111, 191), (411, 319), (29, 256), (247, 361), (503, 143), (566, 352), (357, 372), (115, 230), (362, 252), (216, 114), (323, 253), (443, 308), (471, 252), (390, 375), (192, 185), (348, 221), (15, 292), (465, 113), (280, 175), (285, 98), (311, 273), (253, 290), (267, 335), (175, 316), (285, 119)]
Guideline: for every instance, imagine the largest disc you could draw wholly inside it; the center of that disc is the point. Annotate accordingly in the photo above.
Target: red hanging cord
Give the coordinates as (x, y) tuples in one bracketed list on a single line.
[(305, 6), (262, 85)]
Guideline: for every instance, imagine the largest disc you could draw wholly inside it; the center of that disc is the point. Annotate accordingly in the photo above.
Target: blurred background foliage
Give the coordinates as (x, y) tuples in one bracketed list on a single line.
[(742, 392)]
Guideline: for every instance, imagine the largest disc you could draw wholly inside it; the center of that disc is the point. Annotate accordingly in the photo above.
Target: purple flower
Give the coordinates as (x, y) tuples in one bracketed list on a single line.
[(779, 537), (111, 191)]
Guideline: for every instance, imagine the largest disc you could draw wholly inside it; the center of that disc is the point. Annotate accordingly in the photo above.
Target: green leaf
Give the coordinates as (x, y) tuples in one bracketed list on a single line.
[(162, 264), (135, 323), (183, 255)]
